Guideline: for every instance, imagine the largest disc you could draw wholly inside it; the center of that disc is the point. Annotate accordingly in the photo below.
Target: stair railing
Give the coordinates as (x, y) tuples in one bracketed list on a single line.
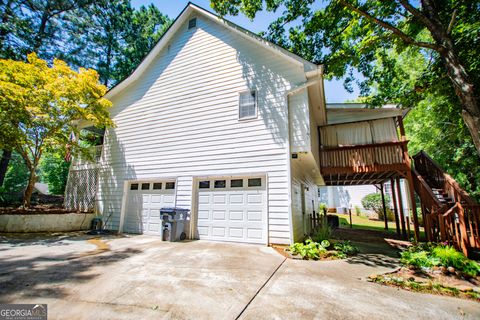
[(458, 224)]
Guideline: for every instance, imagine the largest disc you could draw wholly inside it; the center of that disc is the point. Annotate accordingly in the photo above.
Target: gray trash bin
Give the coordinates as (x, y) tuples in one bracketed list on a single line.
[(173, 223)]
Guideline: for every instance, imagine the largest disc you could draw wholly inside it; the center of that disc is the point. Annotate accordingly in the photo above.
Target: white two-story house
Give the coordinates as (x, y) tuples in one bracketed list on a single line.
[(221, 122)]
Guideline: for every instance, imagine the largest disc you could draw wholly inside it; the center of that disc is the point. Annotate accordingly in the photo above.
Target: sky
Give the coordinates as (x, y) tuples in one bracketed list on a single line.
[(334, 90)]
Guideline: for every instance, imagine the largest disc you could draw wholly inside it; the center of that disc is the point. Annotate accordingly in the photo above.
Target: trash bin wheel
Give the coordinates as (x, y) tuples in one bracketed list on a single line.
[(183, 236)]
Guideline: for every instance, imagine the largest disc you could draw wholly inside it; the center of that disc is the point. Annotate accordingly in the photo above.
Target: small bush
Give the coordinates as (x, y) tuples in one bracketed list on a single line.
[(373, 201), (310, 249), (430, 255), (324, 232), (346, 248)]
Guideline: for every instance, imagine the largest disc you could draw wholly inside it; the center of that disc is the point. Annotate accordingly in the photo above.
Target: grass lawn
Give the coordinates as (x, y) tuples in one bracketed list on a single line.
[(365, 223)]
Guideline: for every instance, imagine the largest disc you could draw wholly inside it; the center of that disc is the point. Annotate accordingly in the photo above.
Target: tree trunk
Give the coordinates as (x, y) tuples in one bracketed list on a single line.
[(462, 84), (27, 196), (6, 155), (465, 91), (41, 32)]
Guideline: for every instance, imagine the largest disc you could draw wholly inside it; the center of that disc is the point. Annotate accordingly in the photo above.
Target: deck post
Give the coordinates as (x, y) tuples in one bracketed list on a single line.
[(395, 206), (402, 128), (400, 204), (383, 206), (416, 226)]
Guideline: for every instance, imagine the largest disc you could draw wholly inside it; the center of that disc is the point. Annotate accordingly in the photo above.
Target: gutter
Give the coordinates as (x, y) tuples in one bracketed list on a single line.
[(313, 77)]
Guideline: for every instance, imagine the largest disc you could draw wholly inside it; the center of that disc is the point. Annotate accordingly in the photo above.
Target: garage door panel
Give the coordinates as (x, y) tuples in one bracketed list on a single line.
[(220, 199), (143, 207), (235, 215), (254, 215), (203, 214), (232, 213), (220, 215), (237, 199), (236, 232), (255, 233)]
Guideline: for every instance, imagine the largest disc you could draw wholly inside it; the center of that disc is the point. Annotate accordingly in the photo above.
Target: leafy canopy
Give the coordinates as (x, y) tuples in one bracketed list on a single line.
[(40, 105)]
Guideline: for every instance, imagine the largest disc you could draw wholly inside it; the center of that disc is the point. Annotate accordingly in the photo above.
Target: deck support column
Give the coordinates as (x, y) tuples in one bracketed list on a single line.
[(400, 204), (395, 206), (416, 225), (384, 206)]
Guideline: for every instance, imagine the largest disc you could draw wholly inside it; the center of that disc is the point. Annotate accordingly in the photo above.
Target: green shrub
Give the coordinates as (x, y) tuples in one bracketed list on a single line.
[(346, 248), (450, 257), (418, 259), (430, 255), (373, 201), (324, 232), (310, 249)]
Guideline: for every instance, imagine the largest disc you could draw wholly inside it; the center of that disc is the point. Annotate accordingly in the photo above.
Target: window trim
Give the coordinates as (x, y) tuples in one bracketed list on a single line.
[(256, 105)]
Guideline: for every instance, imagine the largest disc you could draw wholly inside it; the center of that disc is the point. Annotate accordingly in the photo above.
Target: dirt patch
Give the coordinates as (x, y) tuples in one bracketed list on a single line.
[(434, 282)]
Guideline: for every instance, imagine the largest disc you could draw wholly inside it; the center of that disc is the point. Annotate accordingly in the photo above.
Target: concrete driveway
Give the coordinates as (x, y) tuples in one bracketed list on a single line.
[(143, 278)]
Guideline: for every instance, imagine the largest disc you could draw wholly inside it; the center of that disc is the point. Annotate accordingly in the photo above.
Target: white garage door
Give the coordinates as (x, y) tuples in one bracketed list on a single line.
[(144, 201), (232, 209)]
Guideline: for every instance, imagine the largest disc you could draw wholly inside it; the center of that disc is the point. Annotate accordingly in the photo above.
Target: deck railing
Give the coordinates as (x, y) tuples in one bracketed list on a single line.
[(363, 158)]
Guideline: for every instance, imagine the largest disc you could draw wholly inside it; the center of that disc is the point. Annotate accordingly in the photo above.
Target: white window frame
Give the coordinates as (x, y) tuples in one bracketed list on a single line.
[(256, 105)]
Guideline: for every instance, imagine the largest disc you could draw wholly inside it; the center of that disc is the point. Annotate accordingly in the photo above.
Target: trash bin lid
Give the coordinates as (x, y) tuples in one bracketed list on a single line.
[(173, 210)]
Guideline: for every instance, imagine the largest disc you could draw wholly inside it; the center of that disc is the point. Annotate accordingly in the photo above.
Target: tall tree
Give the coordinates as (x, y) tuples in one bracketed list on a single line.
[(347, 33), (40, 105), (32, 26), (112, 37)]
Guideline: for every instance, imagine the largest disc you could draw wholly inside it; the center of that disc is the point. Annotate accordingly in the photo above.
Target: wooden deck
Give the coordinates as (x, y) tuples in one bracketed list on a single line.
[(363, 164)]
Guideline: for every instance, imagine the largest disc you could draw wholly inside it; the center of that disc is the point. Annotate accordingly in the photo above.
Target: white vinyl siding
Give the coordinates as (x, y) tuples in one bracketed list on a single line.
[(180, 120)]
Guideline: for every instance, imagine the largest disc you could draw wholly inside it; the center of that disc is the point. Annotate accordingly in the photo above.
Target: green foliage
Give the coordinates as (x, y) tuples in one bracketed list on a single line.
[(16, 177), (108, 35), (456, 154), (39, 105), (345, 249), (54, 172), (314, 250), (373, 201), (323, 207), (389, 69), (431, 255), (309, 250), (324, 232)]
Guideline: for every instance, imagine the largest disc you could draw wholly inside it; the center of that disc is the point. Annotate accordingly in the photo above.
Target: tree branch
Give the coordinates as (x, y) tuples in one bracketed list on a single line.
[(452, 21), (407, 39), (416, 13)]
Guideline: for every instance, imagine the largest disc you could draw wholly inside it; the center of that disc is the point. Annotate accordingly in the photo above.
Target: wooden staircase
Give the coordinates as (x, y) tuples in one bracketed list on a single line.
[(449, 213)]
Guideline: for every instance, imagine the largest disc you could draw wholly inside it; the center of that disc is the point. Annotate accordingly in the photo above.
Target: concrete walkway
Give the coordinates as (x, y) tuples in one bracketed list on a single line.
[(141, 277)]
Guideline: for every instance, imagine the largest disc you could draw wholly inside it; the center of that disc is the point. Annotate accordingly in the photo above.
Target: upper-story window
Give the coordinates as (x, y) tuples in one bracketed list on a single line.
[(248, 105), (192, 23)]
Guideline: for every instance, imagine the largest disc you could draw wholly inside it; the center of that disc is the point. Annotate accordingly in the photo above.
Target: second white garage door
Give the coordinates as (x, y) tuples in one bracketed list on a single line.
[(232, 209)]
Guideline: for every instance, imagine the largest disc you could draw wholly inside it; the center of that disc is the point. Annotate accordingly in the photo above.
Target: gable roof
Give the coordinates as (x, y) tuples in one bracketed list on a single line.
[(189, 9)]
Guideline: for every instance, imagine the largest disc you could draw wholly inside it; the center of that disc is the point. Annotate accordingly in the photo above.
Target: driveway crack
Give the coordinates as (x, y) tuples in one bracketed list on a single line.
[(260, 289)]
